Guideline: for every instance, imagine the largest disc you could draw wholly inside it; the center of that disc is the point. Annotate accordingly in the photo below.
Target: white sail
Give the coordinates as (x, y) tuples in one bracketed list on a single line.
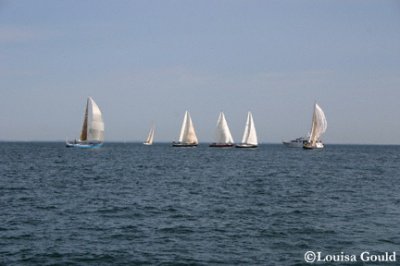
[(187, 134), (319, 125), (150, 137), (250, 134), (93, 125), (223, 134), (92, 133)]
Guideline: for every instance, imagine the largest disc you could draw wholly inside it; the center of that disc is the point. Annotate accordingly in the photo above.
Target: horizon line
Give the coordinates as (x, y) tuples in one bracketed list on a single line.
[(200, 143)]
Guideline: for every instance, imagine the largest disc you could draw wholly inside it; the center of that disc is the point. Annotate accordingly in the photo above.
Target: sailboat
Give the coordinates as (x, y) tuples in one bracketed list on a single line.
[(223, 134), (187, 137), (150, 137), (92, 134), (249, 139), (318, 127)]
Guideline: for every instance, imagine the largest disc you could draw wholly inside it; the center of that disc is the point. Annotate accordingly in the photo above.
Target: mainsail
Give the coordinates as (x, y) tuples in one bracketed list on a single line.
[(93, 125), (319, 124), (250, 134), (150, 137), (187, 134), (84, 130), (223, 134)]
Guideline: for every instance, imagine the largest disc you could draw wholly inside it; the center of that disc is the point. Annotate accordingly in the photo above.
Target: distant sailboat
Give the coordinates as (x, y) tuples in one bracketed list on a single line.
[(150, 137), (223, 134), (187, 137), (318, 127), (92, 134), (249, 139)]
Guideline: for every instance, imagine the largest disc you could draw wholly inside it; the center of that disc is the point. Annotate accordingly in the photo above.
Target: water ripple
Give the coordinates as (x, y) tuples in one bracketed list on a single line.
[(128, 204)]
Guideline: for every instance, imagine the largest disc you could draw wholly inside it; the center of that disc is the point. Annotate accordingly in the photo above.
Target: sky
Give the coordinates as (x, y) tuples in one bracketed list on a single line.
[(145, 62)]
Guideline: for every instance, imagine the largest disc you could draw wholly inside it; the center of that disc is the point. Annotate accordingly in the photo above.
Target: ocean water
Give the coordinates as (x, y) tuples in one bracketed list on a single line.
[(130, 204)]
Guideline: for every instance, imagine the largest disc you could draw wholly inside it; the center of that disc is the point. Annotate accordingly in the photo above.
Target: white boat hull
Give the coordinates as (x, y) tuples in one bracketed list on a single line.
[(293, 144), (221, 145), (310, 146), (296, 143), (245, 145)]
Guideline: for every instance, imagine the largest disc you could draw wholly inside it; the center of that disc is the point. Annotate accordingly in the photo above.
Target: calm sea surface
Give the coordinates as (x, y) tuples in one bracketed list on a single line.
[(130, 204)]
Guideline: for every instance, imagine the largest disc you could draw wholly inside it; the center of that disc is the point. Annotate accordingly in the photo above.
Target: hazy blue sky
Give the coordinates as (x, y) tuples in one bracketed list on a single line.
[(147, 62)]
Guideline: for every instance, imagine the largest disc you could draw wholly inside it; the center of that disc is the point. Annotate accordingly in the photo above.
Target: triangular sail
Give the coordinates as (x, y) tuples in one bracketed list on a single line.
[(319, 124), (84, 130), (187, 134), (150, 137), (223, 134), (95, 124), (183, 127), (250, 134)]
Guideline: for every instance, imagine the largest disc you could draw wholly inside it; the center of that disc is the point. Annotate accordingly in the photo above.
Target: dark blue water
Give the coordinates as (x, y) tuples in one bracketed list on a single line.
[(129, 204)]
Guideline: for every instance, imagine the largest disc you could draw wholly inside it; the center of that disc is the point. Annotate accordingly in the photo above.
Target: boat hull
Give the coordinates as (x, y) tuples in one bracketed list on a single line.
[(293, 144), (296, 143), (83, 145), (147, 143), (178, 144), (246, 146), (310, 146), (221, 145)]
